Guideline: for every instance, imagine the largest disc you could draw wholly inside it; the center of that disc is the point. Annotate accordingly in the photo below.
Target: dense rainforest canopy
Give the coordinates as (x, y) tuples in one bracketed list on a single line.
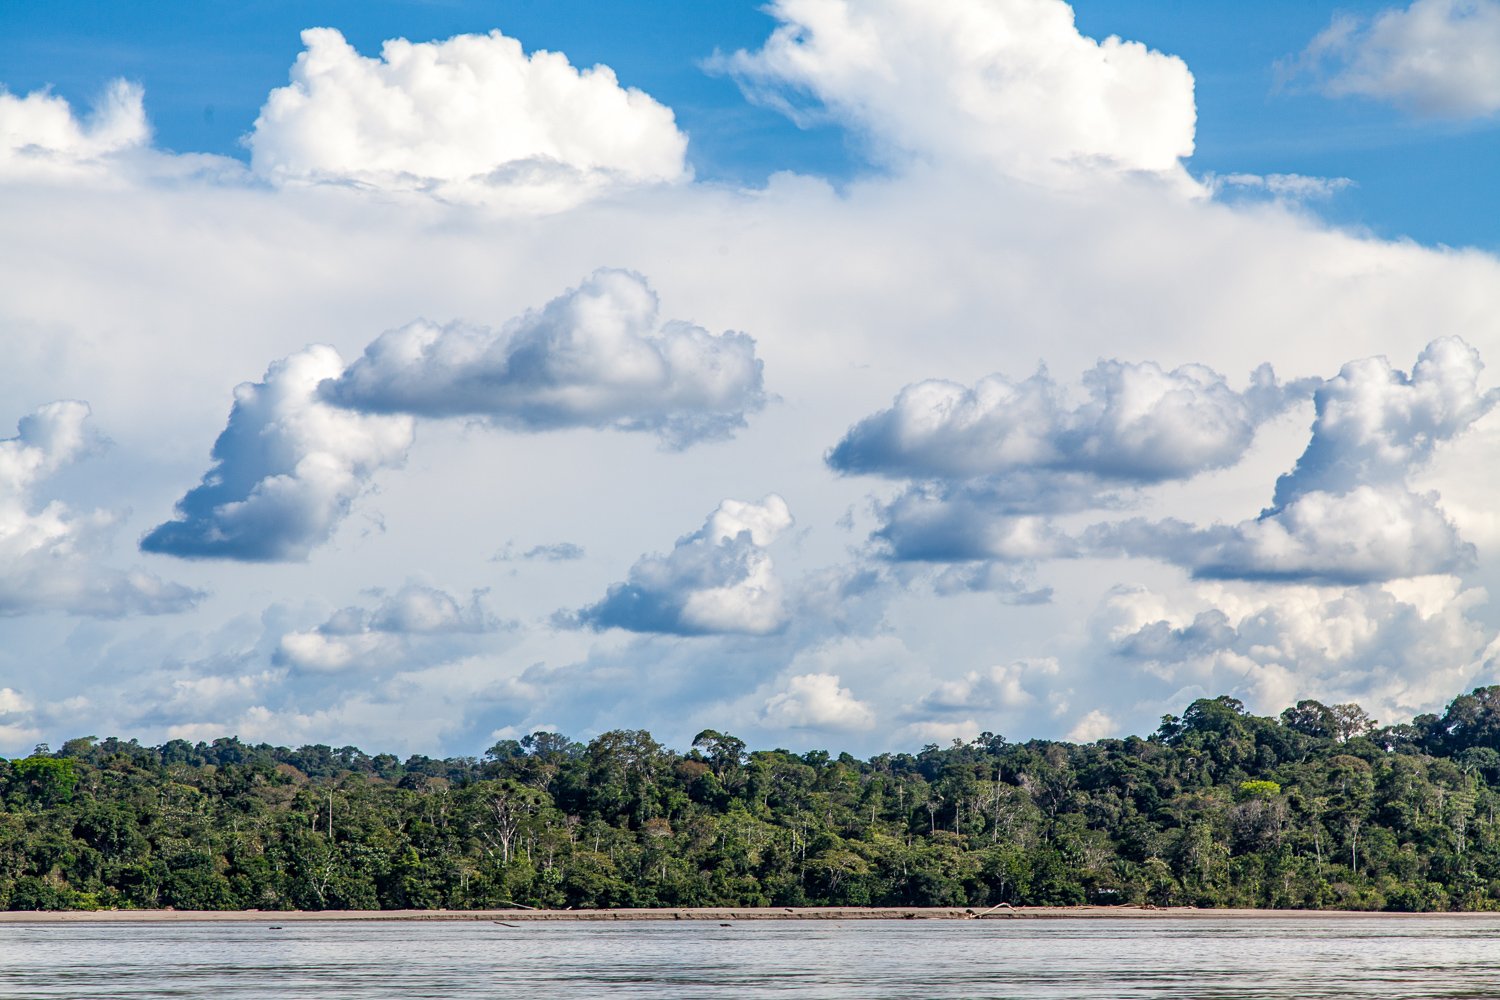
[(1317, 808)]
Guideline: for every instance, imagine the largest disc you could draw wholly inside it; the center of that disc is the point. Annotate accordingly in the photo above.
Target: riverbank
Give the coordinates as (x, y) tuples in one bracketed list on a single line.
[(713, 913)]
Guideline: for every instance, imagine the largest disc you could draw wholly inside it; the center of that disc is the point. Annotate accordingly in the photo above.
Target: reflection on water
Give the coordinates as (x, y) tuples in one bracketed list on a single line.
[(1023, 959)]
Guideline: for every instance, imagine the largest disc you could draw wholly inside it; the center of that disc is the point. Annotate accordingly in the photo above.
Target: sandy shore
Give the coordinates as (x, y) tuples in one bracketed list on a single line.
[(719, 914)]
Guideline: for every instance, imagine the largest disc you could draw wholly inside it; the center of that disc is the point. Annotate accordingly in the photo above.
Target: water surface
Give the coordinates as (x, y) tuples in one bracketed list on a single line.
[(1023, 959)]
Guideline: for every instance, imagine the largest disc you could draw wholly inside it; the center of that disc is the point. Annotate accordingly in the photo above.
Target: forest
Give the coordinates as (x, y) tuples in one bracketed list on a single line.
[(1317, 808)]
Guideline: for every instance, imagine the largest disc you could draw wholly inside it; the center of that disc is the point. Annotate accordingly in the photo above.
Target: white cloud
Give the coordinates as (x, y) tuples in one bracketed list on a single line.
[(286, 469), (1010, 85), (940, 733), (1345, 513), (815, 701), (1397, 649), (50, 555), (1435, 58), (149, 297), (717, 580), (1096, 725), (12, 702), (994, 689), (1288, 187), (1376, 424), (40, 134), (595, 356), (470, 119), (1005, 456), (1135, 424), (385, 636), (1363, 535)]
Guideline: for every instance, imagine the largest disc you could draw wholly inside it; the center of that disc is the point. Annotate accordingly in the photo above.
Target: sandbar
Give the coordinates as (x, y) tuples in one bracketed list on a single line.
[(720, 914)]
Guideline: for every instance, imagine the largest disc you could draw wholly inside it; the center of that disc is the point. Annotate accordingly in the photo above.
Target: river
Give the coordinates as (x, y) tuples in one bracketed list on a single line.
[(1202, 957)]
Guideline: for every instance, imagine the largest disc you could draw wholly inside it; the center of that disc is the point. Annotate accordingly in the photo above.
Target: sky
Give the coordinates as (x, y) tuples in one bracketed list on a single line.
[(844, 374)]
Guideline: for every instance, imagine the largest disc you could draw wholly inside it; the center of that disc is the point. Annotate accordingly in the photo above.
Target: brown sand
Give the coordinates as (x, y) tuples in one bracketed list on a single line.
[(715, 913)]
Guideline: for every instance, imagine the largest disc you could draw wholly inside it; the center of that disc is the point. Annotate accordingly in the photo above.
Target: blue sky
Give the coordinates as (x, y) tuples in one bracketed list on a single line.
[(841, 373), (208, 67)]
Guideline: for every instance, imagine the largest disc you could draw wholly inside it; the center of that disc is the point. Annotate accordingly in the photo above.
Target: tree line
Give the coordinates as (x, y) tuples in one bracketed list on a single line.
[(1317, 808)]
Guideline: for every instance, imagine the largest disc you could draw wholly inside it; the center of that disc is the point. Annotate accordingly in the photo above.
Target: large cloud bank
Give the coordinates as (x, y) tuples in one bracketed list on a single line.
[(596, 356), (472, 118), (1030, 201)]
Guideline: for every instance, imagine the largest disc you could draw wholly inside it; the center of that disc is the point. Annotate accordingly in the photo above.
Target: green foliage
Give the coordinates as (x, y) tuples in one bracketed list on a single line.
[(1258, 789), (1316, 808)]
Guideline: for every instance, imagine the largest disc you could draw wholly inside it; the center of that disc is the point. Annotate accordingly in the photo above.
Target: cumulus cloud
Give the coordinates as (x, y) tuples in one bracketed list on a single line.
[(1361, 536), (595, 356), (994, 689), (1434, 58), (17, 724), (1345, 513), (1398, 648), (1095, 725), (996, 461), (39, 132), (717, 580), (286, 470), (1011, 84), (49, 554), (384, 636), (472, 118), (1135, 424), (1375, 423), (815, 701)]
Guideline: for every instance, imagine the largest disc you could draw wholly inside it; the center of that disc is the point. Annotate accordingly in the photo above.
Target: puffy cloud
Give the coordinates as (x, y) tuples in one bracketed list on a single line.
[(1345, 513), (719, 579), (1008, 84), (287, 468), (1435, 58), (1398, 648), (592, 357), (1375, 423), (48, 554), (39, 132), (1136, 424), (994, 689), (815, 701), (1360, 536), (385, 636), (1002, 457), (1096, 725), (472, 118), (12, 702)]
